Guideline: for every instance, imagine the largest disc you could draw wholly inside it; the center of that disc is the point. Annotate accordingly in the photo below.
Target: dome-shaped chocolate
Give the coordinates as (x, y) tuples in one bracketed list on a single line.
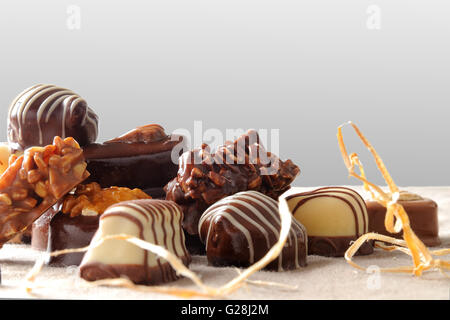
[(42, 112)]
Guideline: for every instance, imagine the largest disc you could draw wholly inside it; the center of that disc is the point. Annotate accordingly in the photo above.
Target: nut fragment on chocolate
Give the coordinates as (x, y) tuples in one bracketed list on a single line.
[(41, 112), (240, 229), (204, 178), (154, 221), (140, 159), (333, 218), (36, 181), (91, 199), (422, 214), (146, 134)]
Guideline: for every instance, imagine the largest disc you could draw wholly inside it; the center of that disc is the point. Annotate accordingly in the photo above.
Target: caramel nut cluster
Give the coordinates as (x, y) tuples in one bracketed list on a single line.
[(35, 181), (91, 199)]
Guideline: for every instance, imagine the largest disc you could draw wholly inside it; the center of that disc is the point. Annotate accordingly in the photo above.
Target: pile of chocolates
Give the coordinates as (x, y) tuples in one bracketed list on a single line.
[(60, 189)]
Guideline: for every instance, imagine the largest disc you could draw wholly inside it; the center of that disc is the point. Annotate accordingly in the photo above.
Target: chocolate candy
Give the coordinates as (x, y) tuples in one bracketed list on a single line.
[(155, 221), (422, 213), (36, 181), (42, 112), (142, 158), (204, 178), (64, 232), (73, 223), (333, 218), (240, 229)]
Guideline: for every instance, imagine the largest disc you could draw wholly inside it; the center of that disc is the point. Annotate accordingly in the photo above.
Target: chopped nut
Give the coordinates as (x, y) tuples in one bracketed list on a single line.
[(89, 199), (40, 189), (23, 174), (79, 169), (54, 161), (34, 176), (19, 194), (4, 198), (197, 173), (28, 203), (216, 178)]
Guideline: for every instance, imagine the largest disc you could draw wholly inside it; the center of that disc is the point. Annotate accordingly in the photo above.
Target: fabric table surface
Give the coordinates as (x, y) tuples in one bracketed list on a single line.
[(323, 278)]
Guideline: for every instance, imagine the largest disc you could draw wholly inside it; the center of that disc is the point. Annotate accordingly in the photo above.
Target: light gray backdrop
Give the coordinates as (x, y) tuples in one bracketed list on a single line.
[(303, 67)]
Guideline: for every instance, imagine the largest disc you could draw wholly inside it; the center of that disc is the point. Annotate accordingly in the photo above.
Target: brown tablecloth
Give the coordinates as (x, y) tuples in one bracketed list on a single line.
[(323, 278)]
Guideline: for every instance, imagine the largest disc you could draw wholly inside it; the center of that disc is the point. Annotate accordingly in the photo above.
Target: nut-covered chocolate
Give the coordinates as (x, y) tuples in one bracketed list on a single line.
[(36, 181), (42, 112), (154, 221), (204, 178), (240, 229), (333, 218)]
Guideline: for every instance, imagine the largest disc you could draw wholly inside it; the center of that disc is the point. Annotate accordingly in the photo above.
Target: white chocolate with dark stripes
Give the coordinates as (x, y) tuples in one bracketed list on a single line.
[(333, 218), (240, 229), (41, 112), (330, 211), (154, 221)]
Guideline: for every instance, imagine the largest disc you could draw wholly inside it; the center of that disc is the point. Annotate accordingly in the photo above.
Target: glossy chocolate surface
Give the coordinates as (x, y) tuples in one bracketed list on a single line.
[(240, 229), (334, 217), (336, 246), (423, 216), (154, 221), (42, 112), (58, 231), (126, 162)]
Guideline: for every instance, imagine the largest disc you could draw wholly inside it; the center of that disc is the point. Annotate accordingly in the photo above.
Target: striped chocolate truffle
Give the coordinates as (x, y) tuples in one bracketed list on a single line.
[(41, 112), (333, 218), (240, 229), (154, 221)]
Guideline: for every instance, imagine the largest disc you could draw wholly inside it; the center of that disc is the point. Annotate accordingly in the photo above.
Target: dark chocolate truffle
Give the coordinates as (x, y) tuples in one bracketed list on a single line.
[(240, 229), (42, 112)]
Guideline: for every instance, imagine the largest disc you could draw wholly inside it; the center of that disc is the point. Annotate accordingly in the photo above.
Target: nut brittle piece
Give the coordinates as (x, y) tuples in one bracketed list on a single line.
[(35, 181)]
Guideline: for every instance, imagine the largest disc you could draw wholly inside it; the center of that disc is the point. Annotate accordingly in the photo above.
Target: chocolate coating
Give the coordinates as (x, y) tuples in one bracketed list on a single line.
[(333, 218), (145, 158), (240, 229), (423, 217), (154, 221), (56, 231), (203, 178), (42, 112)]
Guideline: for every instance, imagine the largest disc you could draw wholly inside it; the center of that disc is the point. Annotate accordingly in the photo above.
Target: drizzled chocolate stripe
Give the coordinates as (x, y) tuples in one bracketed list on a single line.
[(51, 98), (158, 222), (327, 192), (251, 212)]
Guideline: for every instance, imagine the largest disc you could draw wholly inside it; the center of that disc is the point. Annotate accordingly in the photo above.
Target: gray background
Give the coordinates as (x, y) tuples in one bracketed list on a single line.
[(303, 67)]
